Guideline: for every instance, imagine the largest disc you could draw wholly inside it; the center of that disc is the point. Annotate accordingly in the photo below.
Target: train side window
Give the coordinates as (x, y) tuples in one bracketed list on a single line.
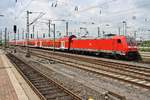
[(119, 41)]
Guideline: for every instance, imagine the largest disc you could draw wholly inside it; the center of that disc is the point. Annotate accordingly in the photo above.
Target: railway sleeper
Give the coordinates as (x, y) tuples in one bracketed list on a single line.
[(39, 81), (55, 92), (56, 96), (48, 87), (51, 91), (63, 98), (112, 96), (41, 86), (45, 88), (31, 75), (34, 79), (45, 61)]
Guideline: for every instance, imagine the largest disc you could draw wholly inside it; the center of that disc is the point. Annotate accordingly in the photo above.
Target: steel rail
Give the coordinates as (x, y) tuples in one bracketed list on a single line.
[(140, 68), (111, 65), (145, 82), (97, 70), (43, 86)]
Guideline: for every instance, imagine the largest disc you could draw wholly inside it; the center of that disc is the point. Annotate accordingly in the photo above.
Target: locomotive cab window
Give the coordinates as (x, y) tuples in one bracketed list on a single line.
[(118, 41)]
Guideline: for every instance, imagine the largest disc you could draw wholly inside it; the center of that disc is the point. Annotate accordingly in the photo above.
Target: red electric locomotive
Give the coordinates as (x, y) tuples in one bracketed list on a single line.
[(117, 46)]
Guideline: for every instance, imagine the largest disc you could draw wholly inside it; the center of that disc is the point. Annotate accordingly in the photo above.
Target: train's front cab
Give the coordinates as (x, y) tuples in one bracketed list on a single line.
[(132, 48), (126, 46)]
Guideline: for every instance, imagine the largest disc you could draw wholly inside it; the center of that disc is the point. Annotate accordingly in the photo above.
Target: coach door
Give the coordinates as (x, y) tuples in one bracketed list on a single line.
[(62, 44), (40, 43)]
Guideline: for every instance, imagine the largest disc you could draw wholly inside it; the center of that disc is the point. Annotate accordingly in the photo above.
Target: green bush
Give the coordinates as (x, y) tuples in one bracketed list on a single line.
[(145, 44), (145, 49)]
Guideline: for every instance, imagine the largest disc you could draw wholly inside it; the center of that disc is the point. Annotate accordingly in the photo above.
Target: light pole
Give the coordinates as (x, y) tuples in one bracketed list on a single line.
[(108, 26), (18, 34), (99, 23), (103, 33), (8, 38), (5, 39), (37, 35), (135, 32), (22, 33), (49, 28), (66, 25), (1, 33), (54, 37), (125, 27), (119, 30), (28, 51), (33, 31), (50, 23), (28, 25), (98, 28), (66, 28)]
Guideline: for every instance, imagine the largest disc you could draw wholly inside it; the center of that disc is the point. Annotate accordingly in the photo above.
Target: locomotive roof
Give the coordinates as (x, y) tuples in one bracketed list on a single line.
[(112, 37)]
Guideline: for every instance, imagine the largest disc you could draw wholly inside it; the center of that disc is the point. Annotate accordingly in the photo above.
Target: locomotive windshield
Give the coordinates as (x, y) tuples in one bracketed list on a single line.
[(131, 41)]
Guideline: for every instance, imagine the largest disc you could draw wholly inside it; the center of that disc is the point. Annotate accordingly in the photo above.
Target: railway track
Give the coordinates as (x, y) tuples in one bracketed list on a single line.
[(101, 62), (44, 87), (145, 57), (144, 71), (145, 54), (136, 75)]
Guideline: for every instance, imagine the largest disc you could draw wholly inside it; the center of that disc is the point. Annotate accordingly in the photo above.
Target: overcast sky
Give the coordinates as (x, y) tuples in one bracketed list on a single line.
[(108, 14)]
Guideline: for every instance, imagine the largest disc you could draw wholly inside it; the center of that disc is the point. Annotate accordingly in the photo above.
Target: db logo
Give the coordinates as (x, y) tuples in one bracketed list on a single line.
[(90, 44)]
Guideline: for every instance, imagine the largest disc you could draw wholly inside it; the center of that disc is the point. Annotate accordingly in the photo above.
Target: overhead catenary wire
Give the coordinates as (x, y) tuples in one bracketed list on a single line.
[(112, 15), (118, 13), (96, 6)]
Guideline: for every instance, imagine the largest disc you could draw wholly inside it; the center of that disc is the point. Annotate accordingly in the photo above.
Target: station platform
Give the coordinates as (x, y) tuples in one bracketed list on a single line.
[(12, 85)]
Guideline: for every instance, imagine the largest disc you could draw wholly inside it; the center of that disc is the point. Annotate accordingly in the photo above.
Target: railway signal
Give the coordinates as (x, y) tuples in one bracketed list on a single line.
[(15, 31), (15, 28)]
